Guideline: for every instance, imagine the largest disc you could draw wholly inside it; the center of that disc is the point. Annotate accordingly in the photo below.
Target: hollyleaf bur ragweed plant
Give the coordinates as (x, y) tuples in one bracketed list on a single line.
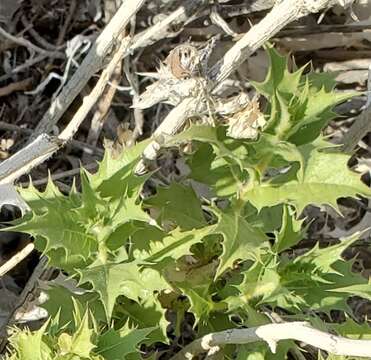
[(230, 261)]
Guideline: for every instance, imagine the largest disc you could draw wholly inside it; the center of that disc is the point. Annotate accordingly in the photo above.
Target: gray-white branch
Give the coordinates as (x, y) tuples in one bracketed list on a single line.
[(272, 334), (283, 13)]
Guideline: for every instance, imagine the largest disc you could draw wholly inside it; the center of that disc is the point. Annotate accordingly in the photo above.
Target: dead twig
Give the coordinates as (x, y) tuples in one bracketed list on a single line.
[(61, 175), (87, 148), (15, 86), (29, 45), (16, 259), (44, 146), (36, 36), (282, 14), (94, 60), (90, 100), (103, 107), (272, 334), (66, 24), (361, 125)]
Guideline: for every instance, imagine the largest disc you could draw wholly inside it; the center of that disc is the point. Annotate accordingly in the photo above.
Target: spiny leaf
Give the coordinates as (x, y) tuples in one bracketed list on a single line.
[(30, 345), (195, 282), (241, 240), (321, 184), (171, 204), (350, 329), (112, 280), (154, 247), (79, 343), (300, 105), (291, 231), (147, 314), (116, 345), (116, 174)]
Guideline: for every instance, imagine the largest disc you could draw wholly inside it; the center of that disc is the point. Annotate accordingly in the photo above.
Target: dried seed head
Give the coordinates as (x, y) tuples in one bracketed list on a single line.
[(245, 124), (183, 61)]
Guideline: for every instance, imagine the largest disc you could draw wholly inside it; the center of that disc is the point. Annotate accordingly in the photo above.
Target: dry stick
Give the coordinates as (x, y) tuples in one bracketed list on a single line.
[(138, 113), (16, 86), (86, 148), (45, 146), (61, 175), (94, 59), (90, 100), (103, 107), (171, 26), (90, 65), (16, 259), (70, 15), (29, 45), (36, 35), (281, 15), (272, 333), (361, 125)]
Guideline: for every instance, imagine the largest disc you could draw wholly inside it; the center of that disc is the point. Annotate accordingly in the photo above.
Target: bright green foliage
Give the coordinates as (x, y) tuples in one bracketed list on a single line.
[(301, 105), (318, 280), (241, 240), (167, 201), (226, 258), (83, 341), (321, 184)]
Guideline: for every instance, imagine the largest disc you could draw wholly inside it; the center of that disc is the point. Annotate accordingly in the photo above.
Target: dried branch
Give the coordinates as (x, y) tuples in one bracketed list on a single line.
[(94, 59), (15, 86), (90, 65), (45, 146), (282, 14), (66, 24), (103, 107), (36, 36), (362, 123), (272, 334), (170, 26), (90, 100), (29, 45), (86, 148), (16, 259)]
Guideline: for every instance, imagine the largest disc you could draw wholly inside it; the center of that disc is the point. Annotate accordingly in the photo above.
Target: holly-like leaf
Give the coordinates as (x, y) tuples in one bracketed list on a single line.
[(153, 247), (300, 105), (79, 344), (350, 329), (195, 282), (219, 161), (171, 202), (241, 240), (321, 184), (60, 221), (29, 345), (128, 279), (291, 231), (116, 175), (147, 314), (117, 344)]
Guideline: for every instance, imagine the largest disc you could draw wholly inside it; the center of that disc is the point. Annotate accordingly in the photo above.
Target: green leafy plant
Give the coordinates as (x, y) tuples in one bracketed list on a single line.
[(224, 260)]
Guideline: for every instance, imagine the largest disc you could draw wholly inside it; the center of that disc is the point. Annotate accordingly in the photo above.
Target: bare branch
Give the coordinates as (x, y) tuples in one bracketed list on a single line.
[(90, 65), (94, 60), (272, 334), (16, 259), (29, 45), (282, 14), (45, 146), (362, 123)]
